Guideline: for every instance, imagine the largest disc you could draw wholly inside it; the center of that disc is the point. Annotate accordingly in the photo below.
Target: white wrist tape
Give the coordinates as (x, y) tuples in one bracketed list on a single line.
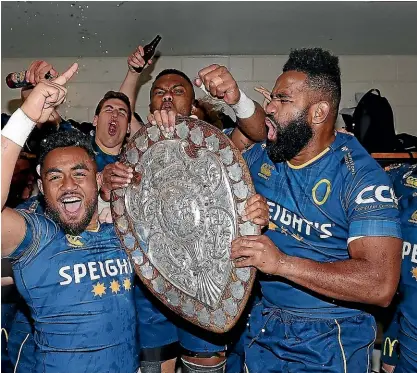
[(245, 107), (18, 128)]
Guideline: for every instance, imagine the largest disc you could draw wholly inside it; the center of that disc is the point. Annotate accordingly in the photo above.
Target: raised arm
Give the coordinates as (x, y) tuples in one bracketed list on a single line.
[(37, 108), (218, 81), (130, 86)]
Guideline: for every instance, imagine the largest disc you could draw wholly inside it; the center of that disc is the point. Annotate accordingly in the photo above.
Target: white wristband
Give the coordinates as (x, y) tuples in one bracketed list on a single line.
[(245, 107), (18, 128)]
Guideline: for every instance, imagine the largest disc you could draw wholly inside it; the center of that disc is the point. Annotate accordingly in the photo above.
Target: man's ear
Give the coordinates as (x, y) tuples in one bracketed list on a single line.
[(319, 112), (95, 119), (128, 129), (40, 186), (193, 110)]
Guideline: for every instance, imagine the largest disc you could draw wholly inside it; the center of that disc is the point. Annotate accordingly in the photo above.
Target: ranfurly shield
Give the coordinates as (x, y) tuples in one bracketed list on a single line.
[(179, 216)]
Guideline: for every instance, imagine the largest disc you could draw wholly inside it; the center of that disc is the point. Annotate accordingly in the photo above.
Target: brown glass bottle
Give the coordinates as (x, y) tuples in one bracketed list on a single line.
[(149, 51)]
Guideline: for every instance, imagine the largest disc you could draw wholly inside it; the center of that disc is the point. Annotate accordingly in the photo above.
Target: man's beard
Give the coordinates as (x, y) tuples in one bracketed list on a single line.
[(73, 229), (291, 139)]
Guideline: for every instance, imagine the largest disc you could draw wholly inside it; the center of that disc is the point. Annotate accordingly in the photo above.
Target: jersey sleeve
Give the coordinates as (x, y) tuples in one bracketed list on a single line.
[(371, 205), (252, 154), (39, 232)]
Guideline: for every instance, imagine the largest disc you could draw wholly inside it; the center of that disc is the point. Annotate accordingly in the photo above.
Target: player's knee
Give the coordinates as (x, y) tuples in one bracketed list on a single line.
[(211, 363)]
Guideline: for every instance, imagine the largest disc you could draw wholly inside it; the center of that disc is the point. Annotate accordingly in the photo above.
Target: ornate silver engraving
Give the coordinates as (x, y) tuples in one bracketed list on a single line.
[(235, 172), (230, 306), (237, 290), (178, 217), (172, 297), (241, 190), (147, 271), (154, 133), (188, 308), (241, 207), (203, 316), (132, 156), (219, 318), (185, 227), (196, 136), (119, 206), (247, 229), (120, 192), (212, 143), (182, 130), (129, 241), (158, 285), (137, 257), (226, 155), (142, 143), (243, 273), (122, 224)]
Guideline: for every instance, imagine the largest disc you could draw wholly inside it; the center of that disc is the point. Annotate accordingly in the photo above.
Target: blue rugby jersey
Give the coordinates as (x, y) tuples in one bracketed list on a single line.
[(102, 158), (317, 207), (405, 184), (80, 293)]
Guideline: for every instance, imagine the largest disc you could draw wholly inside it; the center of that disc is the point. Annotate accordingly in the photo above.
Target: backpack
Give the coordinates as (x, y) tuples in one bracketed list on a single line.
[(372, 123)]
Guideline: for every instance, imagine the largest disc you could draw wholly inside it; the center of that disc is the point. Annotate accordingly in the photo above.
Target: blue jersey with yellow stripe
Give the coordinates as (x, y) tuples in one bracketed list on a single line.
[(405, 184), (80, 293), (317, 208)]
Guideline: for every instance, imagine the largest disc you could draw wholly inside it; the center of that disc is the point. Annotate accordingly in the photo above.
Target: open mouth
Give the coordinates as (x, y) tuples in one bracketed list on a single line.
[(71, 204), (272, 129), (167, 106), (112, 128)]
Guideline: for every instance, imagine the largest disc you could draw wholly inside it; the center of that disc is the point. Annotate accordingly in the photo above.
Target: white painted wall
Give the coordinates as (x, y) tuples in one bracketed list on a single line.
[(395, 76)]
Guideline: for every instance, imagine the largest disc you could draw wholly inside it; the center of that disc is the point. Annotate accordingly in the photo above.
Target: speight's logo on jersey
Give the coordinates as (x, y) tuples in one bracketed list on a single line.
[(266, 170), (94, 270), (282, 215), (374, 194), (410, 250)]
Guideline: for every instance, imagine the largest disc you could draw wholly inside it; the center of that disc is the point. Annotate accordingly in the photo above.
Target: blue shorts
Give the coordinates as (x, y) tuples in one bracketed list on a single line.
[(390, 346), (236, 353), (158, 327), (8, 311), (407, 340), (22, 347), (279, 341)]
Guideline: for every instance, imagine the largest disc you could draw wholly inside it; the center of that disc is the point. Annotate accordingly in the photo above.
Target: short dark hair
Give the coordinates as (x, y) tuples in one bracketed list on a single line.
[(64, 139), (322, 70), (173, 72), (120, 96)]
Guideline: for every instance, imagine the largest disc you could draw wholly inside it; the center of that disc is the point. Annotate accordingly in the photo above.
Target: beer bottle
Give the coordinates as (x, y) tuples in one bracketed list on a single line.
[(17, 80), (149, 51)]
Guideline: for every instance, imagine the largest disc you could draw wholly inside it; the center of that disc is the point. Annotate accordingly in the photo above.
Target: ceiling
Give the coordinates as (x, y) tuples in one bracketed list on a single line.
[(103, 28)]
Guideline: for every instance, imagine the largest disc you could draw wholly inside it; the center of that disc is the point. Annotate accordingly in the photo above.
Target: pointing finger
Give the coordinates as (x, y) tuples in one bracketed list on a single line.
[(67, 75)]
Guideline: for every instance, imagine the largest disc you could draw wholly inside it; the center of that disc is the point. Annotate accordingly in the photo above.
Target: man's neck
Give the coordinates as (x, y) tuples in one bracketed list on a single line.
[(105, 149), (317, 145)]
